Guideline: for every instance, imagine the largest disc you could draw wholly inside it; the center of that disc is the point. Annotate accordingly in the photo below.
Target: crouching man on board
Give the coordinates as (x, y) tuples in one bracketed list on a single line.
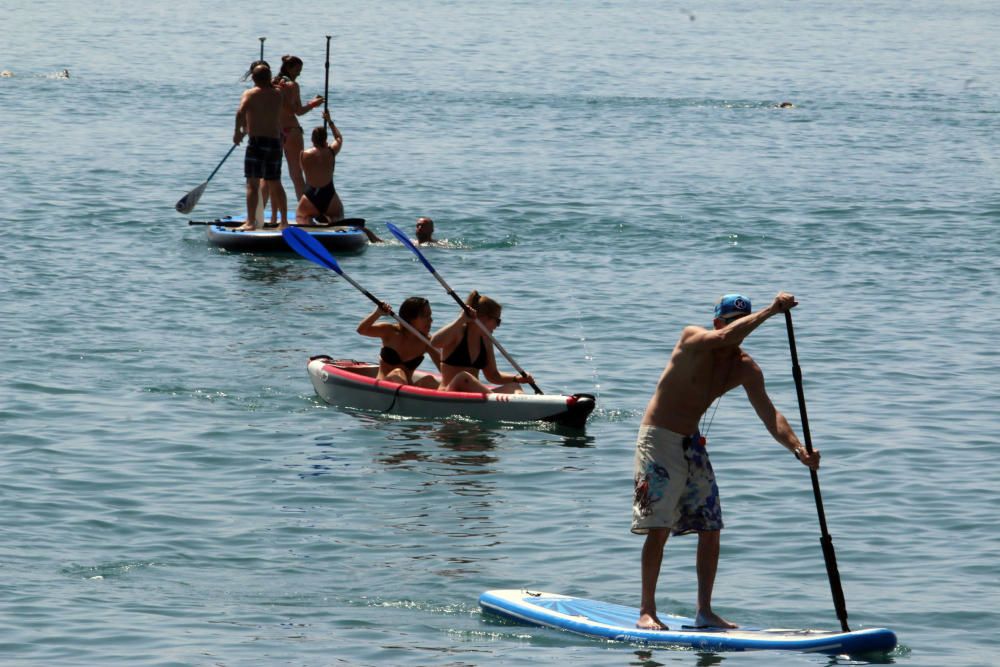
[(675, 489), (257, 116)]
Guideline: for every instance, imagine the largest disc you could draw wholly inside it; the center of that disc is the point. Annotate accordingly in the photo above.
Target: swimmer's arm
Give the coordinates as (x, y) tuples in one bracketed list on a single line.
[(774, 421)]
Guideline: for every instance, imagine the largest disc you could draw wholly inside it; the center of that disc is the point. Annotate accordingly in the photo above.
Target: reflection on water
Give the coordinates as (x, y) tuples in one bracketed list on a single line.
[(276, 268), (463, 447), (645, 658), (865, 659)]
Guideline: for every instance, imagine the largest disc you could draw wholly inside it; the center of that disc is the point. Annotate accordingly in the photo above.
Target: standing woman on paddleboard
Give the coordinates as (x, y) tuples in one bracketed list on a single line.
[(292, 107), (402, 352), (466, 350)]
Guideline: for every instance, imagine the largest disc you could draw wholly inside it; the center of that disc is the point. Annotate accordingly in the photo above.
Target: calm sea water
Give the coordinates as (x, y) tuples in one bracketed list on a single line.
[(174, 493)]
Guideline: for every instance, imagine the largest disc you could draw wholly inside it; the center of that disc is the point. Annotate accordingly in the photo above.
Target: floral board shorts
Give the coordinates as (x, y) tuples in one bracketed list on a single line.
[(674, 484)]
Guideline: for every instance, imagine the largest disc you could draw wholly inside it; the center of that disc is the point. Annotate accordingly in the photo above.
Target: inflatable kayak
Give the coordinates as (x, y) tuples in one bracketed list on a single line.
[(335, 238), (607, 621), (348, 383)]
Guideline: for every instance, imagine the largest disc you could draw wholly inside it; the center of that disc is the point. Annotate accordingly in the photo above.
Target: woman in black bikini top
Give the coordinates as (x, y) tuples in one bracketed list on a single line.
[(467, 350), (402, 352)]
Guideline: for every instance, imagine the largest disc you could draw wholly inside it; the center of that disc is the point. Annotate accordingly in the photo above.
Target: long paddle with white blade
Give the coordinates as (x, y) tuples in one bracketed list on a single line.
[(829, 557), (190, 200), (302, 243), (405, 240)]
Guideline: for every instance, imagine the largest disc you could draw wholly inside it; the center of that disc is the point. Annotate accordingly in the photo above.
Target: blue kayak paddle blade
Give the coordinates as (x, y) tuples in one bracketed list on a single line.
[(308, 247), (405, 240)]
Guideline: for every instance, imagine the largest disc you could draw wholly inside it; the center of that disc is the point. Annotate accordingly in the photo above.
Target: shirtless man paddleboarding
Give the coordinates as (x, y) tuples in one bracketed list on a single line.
[(675, 489), (257, 116)]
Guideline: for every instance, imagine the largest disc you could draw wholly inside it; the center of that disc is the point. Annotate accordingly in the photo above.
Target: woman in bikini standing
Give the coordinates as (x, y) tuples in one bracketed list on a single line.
[(402, 352), (466, 350), (292, 107)]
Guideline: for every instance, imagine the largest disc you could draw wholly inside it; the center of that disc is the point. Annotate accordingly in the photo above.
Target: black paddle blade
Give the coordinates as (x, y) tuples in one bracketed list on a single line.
[(190, 200)]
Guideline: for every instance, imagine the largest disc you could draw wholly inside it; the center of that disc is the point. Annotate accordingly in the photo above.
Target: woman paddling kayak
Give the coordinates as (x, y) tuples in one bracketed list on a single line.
[(466, 350), (402, 352)]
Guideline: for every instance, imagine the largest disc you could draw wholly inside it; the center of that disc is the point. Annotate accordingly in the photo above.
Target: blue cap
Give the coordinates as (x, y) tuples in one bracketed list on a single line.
[(732, 304)]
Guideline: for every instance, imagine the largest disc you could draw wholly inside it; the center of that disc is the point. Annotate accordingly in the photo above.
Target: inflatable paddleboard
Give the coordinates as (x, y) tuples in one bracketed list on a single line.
[(339, 239), (604, 620)]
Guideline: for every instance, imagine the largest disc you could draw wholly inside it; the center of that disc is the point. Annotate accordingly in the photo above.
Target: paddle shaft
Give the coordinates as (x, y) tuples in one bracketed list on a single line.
[(829, 556), (219, 166), (326, 84)]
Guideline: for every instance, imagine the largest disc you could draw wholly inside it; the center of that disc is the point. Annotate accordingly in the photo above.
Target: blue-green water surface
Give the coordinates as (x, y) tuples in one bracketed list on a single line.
[(174, 493)]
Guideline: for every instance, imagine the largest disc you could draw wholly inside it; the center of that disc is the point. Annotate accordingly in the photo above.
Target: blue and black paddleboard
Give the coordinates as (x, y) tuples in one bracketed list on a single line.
[(341, 238), (603, 620)]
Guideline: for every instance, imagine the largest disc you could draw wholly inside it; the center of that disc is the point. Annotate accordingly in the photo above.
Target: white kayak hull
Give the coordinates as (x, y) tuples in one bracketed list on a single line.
[(348, 383)]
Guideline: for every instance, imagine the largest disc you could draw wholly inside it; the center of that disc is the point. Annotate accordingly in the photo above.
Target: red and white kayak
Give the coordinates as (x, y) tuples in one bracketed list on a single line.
[(348, 383)]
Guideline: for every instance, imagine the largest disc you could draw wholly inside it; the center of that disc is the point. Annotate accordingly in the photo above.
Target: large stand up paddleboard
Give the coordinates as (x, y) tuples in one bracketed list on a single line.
[(603, 620), (337, 238)]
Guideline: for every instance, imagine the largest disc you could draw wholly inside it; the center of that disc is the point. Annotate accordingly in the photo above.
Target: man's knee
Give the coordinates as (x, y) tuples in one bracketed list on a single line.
[(709, 536), (657, 536)]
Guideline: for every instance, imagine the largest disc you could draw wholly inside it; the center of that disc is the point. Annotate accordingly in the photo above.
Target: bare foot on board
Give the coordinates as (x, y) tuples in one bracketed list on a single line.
[(712, 620), (650, 622)]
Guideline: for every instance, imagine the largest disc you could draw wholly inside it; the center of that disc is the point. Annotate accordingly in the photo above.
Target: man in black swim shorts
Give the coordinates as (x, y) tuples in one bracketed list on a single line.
[(258, 116), (263, 159)]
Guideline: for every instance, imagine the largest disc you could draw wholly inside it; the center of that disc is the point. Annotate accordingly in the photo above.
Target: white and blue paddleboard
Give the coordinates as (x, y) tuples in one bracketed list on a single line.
[(603, 620)]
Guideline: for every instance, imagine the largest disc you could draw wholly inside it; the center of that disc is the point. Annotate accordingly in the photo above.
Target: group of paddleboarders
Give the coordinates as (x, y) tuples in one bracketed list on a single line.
[(460, 349), (268, 113)]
